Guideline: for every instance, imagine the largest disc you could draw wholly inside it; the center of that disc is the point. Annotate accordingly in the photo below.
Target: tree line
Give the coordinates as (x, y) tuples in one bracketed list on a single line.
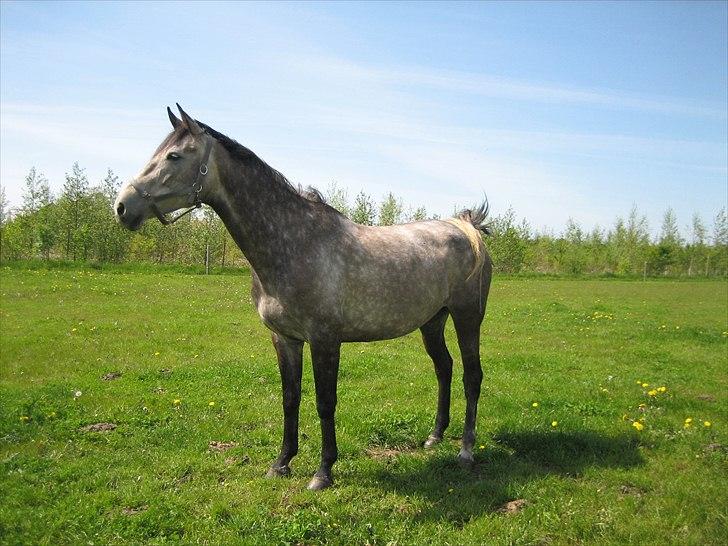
[(78, 225)]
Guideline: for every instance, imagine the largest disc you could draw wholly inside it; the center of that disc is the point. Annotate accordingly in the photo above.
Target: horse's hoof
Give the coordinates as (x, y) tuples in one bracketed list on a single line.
[(318, 483), (432, 441), (465, 458), (278, 472)]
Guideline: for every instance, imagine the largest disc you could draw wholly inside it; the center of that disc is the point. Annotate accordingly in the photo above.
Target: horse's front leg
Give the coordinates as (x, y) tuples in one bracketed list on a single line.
[(325, 357), (290, 361)]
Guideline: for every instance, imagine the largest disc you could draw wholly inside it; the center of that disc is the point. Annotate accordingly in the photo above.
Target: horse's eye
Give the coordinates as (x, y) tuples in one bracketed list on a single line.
[(173, 156)]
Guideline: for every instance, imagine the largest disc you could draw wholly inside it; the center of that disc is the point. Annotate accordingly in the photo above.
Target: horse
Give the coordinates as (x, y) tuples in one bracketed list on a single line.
[(321, 279)]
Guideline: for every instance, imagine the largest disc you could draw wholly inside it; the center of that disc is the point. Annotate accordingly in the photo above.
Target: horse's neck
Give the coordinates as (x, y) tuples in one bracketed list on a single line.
[(266, 219)]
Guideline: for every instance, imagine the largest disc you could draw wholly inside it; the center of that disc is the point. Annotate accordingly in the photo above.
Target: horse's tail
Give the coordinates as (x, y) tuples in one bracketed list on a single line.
[(471, 222), (477, 216)]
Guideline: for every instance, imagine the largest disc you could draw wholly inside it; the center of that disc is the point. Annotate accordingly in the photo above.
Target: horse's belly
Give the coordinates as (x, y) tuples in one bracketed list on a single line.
[(380, 318)]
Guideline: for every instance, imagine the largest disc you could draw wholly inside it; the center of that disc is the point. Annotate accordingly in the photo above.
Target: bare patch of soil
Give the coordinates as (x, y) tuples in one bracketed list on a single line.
[(221, 446), (133, 510), (111, 376), (706, 398), (99, 427), (385, 453), (628, 489), (513, 507)]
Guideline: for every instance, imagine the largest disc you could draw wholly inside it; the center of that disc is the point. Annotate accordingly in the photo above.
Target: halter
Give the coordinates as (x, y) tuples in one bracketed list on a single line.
[(194, 194)]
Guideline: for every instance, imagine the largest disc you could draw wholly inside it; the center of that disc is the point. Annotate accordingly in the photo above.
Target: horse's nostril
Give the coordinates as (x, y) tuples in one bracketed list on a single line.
[(120, 209)]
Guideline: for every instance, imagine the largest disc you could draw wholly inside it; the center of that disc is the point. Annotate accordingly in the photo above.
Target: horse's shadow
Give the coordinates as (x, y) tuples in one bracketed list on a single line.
[(501, 471)]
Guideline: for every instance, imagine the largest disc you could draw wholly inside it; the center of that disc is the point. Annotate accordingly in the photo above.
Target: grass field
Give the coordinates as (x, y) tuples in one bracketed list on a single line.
[(572, 370)]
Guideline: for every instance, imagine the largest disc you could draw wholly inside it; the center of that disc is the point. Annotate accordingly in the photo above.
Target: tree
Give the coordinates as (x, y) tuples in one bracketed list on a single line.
[(696, 249), (37, 193), (363, 210), (73, 207), (670, 233), (718, 258), (667, 252), (418, 214), (110, 186), (574, 251), (337, 198), (508, 245), (390, 211), (4, 216)]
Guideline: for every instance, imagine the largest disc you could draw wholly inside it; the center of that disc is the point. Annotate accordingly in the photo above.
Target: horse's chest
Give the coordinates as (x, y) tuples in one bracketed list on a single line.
[(275, 316)]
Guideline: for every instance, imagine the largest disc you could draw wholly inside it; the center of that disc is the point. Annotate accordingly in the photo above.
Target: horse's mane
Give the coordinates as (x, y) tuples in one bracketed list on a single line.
[(248, 158)]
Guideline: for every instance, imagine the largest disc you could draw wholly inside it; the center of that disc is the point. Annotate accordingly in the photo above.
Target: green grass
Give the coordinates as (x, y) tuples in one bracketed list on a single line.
[(577, 348)]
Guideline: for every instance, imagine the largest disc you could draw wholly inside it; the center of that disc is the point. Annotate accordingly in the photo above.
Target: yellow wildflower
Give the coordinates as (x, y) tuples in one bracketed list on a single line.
[(176, 401), (156, 353), (637, 425), (689, 420), (662, 389), (24, 418), (687, 425), (706, 423), (211, 404), (482, 447), (653, 392), (645, 385), (639, 382), (554, 424), (535, 404)]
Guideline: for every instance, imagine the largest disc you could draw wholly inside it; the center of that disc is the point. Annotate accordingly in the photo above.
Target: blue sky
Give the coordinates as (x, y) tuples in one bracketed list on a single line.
[(557, 109)]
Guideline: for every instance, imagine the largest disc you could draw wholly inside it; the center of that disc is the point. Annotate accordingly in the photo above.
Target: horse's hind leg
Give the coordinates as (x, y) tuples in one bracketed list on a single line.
[(467, 327), (290, 362), (433, 336)]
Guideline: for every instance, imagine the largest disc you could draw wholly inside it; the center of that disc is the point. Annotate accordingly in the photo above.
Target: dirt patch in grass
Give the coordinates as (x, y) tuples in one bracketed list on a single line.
[(220, 446), (706, 398), (385, 453), (513, 507), (133, 510), (111, 376), (99, 427), (628, 489)]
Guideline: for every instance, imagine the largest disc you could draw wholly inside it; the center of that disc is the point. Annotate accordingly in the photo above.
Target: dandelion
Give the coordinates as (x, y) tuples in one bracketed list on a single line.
[(156, 353), (645, 385), (662, 389), (653, 392), (706, 423), (176, 401), (483, 447), (687, 425), (24, 418), (554, 424), (535, 404), (639, 382), (211, 404), (637, 425), (73, 329), (689, 420)]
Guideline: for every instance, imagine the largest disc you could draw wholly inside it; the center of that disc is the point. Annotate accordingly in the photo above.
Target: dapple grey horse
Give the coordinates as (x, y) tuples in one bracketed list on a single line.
[(321, 279)]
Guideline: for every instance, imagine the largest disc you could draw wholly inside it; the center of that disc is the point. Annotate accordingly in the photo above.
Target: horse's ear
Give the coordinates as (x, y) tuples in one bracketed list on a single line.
[(176, 122), (190, 123)]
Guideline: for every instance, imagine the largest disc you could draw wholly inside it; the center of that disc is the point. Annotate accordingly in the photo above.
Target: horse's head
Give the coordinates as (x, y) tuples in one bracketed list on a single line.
[(173, 179)]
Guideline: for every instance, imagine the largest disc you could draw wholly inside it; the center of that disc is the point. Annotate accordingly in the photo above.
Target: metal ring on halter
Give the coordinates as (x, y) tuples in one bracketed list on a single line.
[(203, 169)]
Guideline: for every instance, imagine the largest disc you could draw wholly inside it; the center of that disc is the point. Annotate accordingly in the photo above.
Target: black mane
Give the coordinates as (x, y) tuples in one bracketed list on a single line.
[(248, 158)]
